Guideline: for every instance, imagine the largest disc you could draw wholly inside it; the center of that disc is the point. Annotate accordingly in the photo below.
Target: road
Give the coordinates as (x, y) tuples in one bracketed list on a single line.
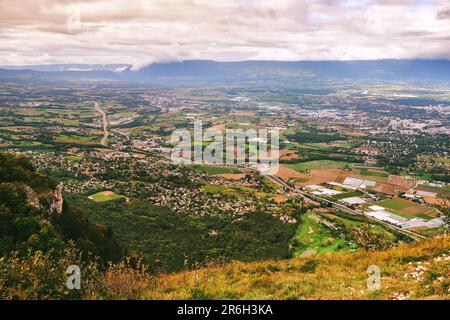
[(105, 124), (345, 209)]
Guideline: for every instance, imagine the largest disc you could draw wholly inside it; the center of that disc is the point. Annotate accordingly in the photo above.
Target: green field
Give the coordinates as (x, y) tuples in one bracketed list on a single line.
[(393, 204), (370, 173), (74, 158), (299, 180), (318, 164), (347, 195), (215, 170), (398, 206), (313, 238), (427, 176), (138, 130), (105, 196), (76, 139), (314, 146)]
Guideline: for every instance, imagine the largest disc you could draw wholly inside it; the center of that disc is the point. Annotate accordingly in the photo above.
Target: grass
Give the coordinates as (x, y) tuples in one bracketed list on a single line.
[(301, 180), (393, 204), (367, 172), (347, 145), (76, 139), (427, 176), (431, 187), (337, 276), (314, 146), (412, 271), (215, 170), (313, 238), (318, 164), (405, 215), (105, 196), (403, 208), (424, 216), (138, 130), (74, 158)]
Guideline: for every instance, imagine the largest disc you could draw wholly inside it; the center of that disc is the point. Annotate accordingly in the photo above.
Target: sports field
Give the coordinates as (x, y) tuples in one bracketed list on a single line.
[(105, 196)]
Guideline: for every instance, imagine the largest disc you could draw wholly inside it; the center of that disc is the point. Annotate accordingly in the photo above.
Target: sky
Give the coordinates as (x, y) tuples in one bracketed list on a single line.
[(141, 32)]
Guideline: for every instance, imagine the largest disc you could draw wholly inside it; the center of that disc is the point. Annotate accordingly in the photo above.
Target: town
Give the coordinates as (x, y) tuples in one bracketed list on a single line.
[(360, 158)]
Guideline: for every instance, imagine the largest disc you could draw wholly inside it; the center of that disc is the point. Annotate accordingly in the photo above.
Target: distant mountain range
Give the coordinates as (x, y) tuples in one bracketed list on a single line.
[(205, 70)]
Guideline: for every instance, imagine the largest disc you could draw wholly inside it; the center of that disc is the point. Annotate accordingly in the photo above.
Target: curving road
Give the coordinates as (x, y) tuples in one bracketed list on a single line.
[(105, 124)]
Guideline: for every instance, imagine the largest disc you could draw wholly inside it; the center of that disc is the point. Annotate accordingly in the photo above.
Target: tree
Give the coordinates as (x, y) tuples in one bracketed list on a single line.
[(445, 214), (371, 240)]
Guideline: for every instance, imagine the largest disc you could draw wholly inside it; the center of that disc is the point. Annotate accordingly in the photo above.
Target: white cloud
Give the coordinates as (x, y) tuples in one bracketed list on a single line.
[(141, 32)]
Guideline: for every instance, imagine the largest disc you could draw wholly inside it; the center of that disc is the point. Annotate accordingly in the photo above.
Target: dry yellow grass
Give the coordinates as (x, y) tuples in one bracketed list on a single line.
[(417, 271), (336, 276)]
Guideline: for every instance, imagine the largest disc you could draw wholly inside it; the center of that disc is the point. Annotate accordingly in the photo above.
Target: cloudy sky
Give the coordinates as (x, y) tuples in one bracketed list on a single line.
[(145, 31)]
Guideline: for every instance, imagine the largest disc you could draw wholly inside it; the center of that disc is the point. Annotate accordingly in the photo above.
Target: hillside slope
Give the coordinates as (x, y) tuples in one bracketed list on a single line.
[(37, 245), (35, 217), (416, 271)]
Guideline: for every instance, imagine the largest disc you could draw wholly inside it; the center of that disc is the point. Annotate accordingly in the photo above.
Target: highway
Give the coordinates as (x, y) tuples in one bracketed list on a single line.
[(105, 123)]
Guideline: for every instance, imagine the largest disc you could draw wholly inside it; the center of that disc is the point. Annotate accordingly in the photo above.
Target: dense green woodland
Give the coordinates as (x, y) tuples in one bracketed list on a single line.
[(171, 242), (27, 223)]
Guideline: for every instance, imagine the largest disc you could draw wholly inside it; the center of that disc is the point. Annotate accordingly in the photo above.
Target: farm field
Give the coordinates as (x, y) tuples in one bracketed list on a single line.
[(76, 139), (347, 195), (315, 176), (105, 196), (287, 173), (314, 146), (237, 191), (318, 164), (368, 172), (287, 154), (427, 176), (232, 176), (407, 209), (135, 131)]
